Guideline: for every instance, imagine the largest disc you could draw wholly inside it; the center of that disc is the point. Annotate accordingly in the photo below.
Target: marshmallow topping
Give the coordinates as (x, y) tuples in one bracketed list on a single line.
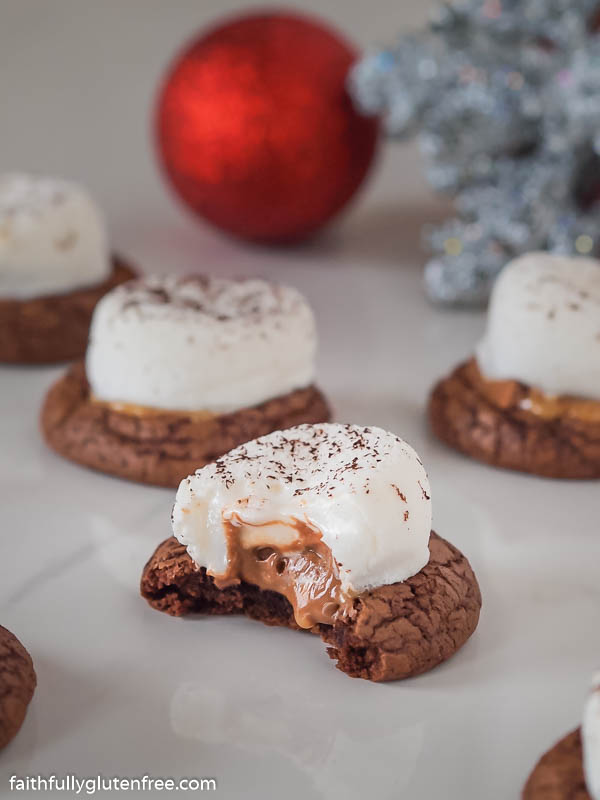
[(52, 238), (200, 343), (543, 325), (365, 491)]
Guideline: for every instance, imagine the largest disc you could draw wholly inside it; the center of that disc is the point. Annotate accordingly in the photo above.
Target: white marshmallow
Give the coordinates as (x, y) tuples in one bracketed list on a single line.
[(52, 237), (590, 731), (364, 489), (200, 343), (543, 325)]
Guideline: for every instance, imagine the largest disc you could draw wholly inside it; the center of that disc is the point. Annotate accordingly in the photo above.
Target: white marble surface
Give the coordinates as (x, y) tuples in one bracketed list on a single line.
[(124, 690)]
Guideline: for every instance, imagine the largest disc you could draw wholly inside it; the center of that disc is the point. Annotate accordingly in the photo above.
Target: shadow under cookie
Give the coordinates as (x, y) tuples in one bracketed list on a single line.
[(160, 447), (392, 632), (559, 775), (512, 438), (17, 685), (53, 328)]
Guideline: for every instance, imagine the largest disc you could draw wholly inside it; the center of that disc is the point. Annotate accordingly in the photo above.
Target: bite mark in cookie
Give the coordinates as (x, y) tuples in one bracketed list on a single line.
[(326, 528), (347, 485), (391, 632)]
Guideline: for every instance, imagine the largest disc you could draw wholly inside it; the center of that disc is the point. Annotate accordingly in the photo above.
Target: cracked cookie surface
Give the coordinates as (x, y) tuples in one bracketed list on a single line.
[(558, 775), (17, 684), (55, 327), (160, 448), (511, 438), (392, 632)]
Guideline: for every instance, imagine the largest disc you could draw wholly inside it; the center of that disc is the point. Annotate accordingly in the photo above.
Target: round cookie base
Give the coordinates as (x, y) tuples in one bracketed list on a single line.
[(559, 775), (53, 328), (160, 448), (392, 632), (17, 685), (465, 420)]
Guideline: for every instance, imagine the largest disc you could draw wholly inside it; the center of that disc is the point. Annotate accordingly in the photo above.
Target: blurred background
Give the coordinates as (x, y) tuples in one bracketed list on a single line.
[(78, 85), (78, 80)]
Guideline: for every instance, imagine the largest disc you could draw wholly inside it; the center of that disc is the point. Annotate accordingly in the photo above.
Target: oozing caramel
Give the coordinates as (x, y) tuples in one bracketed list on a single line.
[(303, 571), (133, 410), (507, 394)]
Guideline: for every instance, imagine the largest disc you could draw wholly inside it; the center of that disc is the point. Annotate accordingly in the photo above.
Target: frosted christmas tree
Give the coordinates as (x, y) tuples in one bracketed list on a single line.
[(505, 98)]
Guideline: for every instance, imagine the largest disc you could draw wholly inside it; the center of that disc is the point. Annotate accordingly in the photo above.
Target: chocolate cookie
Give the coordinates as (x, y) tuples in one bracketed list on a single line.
[(558, 775), (55, 327), (392, 632), (159, 448), (464, 417), (17, 684)]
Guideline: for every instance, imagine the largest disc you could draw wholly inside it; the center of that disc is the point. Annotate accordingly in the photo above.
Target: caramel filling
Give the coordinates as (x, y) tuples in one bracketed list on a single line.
[(508, 394), (302, 569), (133, 410)]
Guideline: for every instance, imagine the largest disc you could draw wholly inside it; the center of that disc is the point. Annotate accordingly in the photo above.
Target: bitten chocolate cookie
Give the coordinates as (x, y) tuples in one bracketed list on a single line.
[(559, 775), (55, 265), (53, 328), (180, 370), (391, 632), (530, 399), (159, 447), (325, 528), (501, 430), (17, 685)]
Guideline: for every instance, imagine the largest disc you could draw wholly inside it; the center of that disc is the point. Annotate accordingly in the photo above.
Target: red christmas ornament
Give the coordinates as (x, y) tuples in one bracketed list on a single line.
[(256, 131)]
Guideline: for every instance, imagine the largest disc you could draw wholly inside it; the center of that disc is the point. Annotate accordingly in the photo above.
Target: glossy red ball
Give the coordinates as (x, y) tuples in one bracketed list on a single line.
[(256, 131)]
